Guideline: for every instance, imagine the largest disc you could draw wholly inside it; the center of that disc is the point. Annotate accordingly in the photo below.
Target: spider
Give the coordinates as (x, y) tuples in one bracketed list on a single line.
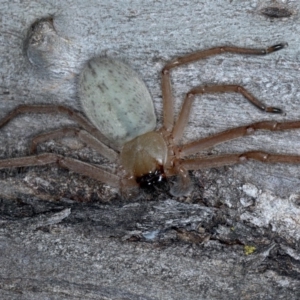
[(121, 127)]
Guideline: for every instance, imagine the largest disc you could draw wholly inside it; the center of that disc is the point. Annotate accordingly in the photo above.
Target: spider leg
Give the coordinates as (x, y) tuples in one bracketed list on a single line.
[(231, 159), (234, 133), (81, 134), (92, 171), (57, 109), (190, 96), (168, 115), (183, 184)]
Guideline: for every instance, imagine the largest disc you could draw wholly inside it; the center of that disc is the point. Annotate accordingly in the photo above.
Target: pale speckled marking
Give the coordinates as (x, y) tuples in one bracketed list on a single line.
[(116, 100)]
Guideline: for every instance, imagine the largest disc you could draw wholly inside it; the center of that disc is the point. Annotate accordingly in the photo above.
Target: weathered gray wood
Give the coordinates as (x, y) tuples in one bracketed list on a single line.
[(152, 246)]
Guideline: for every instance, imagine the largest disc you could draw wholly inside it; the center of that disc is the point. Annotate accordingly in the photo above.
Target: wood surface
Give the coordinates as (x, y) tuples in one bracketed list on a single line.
[(64, 236)]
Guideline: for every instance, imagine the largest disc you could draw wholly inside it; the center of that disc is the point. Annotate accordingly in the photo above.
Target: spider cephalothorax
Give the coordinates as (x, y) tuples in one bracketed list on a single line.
[(121, 126)]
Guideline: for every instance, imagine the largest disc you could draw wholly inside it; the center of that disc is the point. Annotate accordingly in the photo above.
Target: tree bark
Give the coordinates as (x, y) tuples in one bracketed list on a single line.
[(65, 236)]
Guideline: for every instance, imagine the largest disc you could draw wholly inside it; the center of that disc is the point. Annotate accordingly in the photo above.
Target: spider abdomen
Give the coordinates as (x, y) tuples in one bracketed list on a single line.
[(116, 100)]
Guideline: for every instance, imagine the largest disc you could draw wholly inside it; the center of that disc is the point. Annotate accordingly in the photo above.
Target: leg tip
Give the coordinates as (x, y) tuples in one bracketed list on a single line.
[(277, 47), (274, 110)]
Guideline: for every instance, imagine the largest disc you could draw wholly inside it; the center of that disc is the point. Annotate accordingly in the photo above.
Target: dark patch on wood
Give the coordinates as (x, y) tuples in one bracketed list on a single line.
[(84, 78), (104, 85), (117, 100), (93, 72), (100, 87), (37, 23), (191, 236), (282, 263), (276, 12)]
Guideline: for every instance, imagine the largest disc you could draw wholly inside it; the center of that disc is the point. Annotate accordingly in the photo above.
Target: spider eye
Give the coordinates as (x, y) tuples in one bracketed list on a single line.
[(151, 179)]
